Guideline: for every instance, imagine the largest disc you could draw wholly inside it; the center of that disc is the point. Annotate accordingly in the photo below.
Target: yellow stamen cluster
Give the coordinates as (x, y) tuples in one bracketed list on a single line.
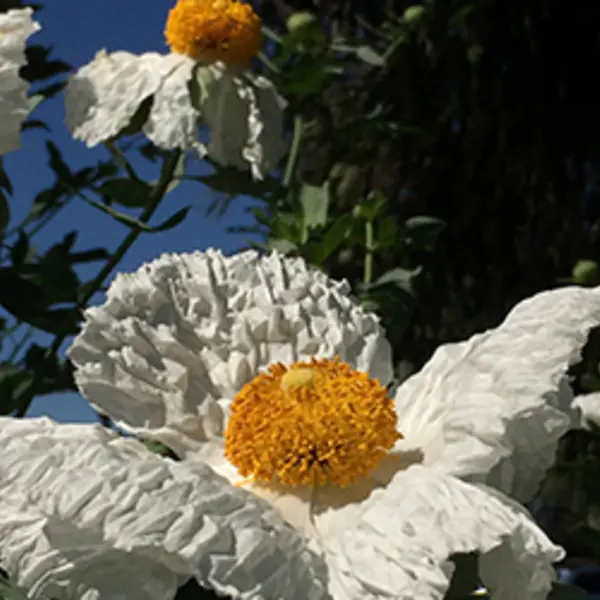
[(214, 30), (314, 423)]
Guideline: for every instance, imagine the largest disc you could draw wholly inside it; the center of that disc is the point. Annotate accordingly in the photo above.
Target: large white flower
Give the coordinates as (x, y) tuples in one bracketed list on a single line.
[(15, 27), (231, 362), (169, 96)]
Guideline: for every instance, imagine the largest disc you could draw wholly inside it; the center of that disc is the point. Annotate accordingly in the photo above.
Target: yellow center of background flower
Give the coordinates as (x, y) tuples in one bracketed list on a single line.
[(314, 423), (214, 30)]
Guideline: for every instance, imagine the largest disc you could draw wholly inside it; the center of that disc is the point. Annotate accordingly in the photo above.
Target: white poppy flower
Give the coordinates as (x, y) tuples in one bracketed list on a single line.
[(85, 515), (231, 362), (15, 27), (202, 81)]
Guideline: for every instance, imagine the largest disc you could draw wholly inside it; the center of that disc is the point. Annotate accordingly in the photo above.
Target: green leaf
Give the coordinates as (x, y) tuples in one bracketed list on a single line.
[(119, 216), (89, 256), (127, 192), (413, 13), (305, 32), (57, 164), (314, 201), (301, 21), (159, 448), (423, 232), (371, 207), (387, 232), (282, 246), (401, 278), (369, 56), (13, 382), (39, 66), (586, 272), (5, 182), (178, 173), (20, 250), (334, 237), (308, 78), (172, 221), (44, 201), (34, 101)]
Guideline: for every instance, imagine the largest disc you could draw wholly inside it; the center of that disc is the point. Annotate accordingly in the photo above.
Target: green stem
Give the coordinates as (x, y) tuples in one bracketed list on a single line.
[(270, 34), (293, 156), (369, 248), (166, 176), (268, 62), (121, 160)]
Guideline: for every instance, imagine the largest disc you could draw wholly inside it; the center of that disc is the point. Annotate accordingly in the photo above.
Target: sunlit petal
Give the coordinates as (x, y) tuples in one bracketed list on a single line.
[(503, 394), (398, 542), (84, 514), (15, 27)]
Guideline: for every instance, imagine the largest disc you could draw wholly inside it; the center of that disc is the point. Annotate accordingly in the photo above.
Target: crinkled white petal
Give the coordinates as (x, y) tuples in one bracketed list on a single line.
[(15, 27), (588, 407), (173, 121), (103, 96), (398, 542), (176, 340), (245, 117), (87, 515), (500, 401)]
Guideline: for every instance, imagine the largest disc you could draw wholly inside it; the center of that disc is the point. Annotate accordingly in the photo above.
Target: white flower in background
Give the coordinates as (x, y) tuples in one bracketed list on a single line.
[(202, 81), (15, 27), (231, 362), (85, 515)]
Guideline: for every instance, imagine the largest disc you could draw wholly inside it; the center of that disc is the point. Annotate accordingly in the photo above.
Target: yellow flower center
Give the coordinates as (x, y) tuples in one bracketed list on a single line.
[(314, 423), (214, 30)]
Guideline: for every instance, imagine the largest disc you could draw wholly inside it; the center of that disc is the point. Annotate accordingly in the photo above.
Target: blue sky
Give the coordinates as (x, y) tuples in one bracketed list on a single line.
[(78, 29)]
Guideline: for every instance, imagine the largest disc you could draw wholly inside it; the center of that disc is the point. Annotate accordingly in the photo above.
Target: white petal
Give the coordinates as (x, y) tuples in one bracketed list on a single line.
[(398, 542), (178, 339), (102, 98), (84, 514), (173, 121), (502, 394), (15, 27), (588, 406), (245, 117)]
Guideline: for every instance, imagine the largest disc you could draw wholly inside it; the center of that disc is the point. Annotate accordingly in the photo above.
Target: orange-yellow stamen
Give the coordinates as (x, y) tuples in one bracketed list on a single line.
[(314, 423), (214, 30)]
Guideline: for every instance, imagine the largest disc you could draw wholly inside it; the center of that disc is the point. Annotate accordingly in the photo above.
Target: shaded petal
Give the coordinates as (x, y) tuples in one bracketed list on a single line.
[(398, 542), (15, 27), (84, 514), (173, 121), (102, 98), (588, 406), (244, 113), (502, 394), (175, 341)]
